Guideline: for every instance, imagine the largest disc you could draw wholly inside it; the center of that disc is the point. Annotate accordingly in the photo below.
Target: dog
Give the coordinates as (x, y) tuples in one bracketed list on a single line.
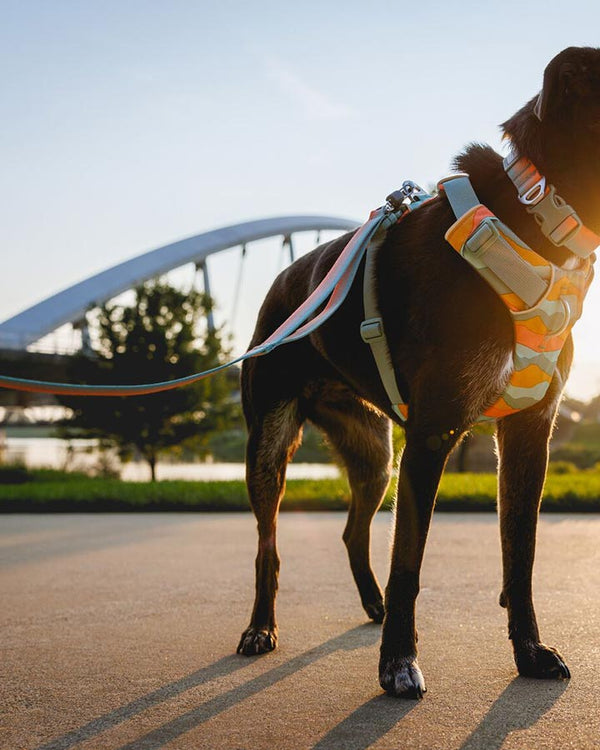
[(451, 343)]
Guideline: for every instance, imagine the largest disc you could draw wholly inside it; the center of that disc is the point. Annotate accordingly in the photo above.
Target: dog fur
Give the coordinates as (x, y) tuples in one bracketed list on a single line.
[(451, 341)]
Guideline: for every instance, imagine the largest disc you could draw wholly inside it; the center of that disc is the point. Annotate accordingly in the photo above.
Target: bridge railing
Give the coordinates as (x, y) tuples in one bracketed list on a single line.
[(59, 342)]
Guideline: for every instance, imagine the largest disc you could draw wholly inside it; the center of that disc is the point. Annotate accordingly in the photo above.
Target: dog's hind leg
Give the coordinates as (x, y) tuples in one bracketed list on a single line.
[(272, 441), (523, 451), (362, 438)]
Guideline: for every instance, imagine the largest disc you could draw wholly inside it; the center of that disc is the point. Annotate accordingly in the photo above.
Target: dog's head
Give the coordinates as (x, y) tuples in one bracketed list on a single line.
[(559, 130)]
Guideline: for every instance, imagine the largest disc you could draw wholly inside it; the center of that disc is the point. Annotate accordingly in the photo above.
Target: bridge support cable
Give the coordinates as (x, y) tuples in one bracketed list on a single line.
[(210, 320), (238, 287), (287, 242)]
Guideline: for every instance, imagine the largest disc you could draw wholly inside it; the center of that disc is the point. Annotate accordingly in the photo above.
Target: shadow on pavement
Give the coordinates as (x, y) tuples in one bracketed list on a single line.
[(220, 668), (358, 637), (518, 707), (369, 723)]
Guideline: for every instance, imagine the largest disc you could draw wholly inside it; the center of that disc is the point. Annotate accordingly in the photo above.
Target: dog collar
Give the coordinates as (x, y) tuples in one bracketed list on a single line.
[(558, 220)]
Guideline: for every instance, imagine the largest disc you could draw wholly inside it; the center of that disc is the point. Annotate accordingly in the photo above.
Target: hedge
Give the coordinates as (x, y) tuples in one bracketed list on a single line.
[(578, 492)]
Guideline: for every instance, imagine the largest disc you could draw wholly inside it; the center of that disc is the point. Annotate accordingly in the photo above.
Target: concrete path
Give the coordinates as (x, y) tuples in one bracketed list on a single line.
[(119, 631)]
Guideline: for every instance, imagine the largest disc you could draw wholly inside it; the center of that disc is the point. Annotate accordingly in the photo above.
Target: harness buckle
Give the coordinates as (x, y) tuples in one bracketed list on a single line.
[(371, 330), (557, 219)]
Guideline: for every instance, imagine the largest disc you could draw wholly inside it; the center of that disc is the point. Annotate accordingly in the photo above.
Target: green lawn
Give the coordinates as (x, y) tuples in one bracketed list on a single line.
[(54, 491)]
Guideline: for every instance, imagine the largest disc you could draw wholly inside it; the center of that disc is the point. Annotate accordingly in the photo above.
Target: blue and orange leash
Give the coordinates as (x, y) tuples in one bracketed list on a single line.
[(332, 290)]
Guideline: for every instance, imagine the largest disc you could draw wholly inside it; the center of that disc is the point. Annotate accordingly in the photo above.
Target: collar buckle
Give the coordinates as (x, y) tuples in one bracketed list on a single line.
[(557, 219)]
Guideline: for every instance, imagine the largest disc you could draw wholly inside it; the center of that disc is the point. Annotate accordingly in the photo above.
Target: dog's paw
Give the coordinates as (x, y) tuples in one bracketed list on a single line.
[(536, 660), (401, 677), (257, 641), (376, 611)]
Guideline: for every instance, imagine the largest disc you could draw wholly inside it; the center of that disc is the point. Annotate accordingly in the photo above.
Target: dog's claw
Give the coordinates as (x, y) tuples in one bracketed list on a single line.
[(564, 671), (256, 641), (402, 678), (540, 661)]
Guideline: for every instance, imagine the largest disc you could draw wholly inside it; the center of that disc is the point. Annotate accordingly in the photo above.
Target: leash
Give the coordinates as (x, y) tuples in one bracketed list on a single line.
[(333, 290)]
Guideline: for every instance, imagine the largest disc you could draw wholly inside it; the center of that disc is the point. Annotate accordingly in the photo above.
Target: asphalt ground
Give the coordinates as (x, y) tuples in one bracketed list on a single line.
[(119, 631)]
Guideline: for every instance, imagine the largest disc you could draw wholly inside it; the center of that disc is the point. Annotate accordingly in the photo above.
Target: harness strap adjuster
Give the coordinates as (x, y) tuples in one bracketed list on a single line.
[(488, 244), (371, 330), (530, 184)]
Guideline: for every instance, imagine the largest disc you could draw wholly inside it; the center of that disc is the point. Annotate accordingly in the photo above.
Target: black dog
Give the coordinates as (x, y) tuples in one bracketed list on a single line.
[(451, 343)]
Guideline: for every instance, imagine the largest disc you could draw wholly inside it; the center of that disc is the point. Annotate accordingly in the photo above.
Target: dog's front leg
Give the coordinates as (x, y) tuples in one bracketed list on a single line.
[(421, 467), (523, 452)]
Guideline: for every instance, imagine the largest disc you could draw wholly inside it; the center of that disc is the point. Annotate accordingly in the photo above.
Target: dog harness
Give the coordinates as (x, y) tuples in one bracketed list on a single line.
[(544, 300)]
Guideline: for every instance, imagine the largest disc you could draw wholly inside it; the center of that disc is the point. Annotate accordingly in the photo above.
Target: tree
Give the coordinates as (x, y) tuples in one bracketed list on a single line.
[(154, 339)]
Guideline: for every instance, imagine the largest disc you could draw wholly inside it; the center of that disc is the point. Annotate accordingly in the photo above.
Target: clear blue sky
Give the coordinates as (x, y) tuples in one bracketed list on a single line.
[(126, 125)]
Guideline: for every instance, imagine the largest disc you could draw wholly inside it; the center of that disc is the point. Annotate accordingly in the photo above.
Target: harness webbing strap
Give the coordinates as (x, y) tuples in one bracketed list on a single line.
[(372, 332), (460, 193), (488, 246)]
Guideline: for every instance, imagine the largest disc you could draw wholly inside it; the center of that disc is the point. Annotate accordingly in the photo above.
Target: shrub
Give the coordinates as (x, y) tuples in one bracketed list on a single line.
[(14, 474), (562, 467), (582, 456)]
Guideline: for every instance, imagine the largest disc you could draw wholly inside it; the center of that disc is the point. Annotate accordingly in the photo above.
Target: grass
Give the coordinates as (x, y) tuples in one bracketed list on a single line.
[(48, 491)]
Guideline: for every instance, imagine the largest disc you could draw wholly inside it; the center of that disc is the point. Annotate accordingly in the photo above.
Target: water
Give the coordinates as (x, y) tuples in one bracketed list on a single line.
[(82, 455)]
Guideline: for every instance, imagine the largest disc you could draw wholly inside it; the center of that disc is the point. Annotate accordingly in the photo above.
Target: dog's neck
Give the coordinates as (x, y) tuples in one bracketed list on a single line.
[(496, 190)]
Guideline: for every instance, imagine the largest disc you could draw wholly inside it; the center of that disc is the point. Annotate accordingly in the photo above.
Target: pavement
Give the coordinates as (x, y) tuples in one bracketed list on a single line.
[(119, 631)]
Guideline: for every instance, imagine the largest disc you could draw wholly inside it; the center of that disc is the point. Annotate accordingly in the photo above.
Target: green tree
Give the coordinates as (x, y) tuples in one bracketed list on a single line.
[(154, 339)]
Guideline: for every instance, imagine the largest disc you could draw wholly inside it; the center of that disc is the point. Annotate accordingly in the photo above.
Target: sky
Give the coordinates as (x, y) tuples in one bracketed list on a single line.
[(128, 125)]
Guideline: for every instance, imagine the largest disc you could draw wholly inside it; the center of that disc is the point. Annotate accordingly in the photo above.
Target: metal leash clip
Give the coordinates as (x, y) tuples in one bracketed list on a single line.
[(402, 199)]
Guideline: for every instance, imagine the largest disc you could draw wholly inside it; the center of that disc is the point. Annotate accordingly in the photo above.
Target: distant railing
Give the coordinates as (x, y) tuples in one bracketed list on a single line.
[(65, 340)]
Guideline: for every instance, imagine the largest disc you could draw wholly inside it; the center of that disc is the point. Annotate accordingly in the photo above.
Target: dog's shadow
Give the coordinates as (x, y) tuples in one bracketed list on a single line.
[(367, 724), (356, 638), (520, 705)]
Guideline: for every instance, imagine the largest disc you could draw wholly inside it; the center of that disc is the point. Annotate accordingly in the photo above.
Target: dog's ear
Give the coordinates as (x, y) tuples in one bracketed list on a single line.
[(566, 76)]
